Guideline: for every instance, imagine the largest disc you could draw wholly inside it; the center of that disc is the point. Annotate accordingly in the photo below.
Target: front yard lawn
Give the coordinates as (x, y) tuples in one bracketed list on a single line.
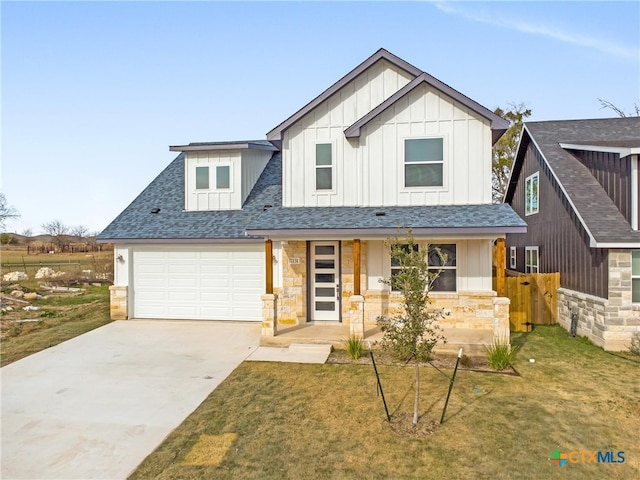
[(270, 420)]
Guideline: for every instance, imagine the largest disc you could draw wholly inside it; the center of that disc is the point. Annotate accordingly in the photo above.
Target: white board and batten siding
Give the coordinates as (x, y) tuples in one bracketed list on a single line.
[(369, 170), (245, 167), (213, 282), (326, 124)]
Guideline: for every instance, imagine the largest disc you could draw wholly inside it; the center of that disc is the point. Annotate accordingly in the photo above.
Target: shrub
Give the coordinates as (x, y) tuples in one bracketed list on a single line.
[(354, 346), (500, 354)]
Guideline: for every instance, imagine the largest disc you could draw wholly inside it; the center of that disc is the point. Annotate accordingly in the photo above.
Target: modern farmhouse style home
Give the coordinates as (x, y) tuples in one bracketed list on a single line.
[(291, 229), (576, 182)]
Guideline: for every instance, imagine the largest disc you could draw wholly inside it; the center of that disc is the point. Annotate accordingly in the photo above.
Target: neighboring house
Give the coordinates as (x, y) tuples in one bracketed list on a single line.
[(576, 184), (290, 229)]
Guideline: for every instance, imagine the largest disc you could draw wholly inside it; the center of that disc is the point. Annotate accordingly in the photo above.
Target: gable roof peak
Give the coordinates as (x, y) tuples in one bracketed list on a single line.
[(381, 54)]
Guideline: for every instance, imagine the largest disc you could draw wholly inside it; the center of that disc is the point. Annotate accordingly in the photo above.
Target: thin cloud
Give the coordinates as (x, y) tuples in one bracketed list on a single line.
[(498, 20)]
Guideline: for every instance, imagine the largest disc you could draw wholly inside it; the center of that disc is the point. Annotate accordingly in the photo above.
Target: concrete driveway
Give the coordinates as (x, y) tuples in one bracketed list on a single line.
[(97, 405)]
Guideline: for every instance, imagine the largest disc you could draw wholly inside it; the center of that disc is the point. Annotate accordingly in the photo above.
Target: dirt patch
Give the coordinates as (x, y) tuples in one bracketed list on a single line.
[(400, 424)]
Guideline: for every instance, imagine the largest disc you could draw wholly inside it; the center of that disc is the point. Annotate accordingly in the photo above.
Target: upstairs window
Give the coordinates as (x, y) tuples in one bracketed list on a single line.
[(424, 162), (324, 166), (531, 260), (531, 194), (202, 178), (223, 177), (635, 276)]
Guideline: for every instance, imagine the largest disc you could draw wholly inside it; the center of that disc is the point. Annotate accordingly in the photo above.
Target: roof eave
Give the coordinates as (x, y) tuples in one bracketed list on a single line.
[(491, 232), (223, 146)]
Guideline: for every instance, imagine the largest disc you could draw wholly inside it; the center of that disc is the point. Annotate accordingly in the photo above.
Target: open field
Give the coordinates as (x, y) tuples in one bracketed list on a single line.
[(56, 316), (17, 259), (270, 420)]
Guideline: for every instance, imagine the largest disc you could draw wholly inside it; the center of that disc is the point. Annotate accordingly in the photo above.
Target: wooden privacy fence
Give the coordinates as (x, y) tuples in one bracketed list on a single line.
[(534, 299)]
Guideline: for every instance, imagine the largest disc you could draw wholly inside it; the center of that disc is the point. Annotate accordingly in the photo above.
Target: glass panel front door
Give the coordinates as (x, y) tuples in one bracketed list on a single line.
[(325, 281)]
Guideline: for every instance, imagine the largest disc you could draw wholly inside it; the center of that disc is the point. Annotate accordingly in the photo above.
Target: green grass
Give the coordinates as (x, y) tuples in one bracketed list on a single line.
[(326, 421), (62, 317)]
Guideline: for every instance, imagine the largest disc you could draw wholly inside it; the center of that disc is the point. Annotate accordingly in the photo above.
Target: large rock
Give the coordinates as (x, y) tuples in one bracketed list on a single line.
[(17, 294), (15, 277), (45, 272)]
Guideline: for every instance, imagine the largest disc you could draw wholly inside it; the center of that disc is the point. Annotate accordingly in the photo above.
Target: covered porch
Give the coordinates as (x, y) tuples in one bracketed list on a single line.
[(471, 340)]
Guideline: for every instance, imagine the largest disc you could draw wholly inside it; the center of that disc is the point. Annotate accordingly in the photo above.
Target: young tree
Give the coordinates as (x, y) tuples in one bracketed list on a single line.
[(7, 212), (412, 333), (504, 151)]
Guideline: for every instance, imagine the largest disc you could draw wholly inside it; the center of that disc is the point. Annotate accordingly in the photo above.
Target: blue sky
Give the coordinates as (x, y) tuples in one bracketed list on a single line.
[(93, 93)]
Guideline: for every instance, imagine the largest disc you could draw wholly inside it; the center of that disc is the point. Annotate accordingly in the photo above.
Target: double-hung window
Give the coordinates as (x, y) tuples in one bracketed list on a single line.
[(202, 178), (424, 162), (441, 259), (324, 166), (635, 276), (531, 260), (531, 194)]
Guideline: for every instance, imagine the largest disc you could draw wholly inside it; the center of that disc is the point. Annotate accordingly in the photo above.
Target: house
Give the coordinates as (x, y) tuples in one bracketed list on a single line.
[(290, 229), (576, 184)]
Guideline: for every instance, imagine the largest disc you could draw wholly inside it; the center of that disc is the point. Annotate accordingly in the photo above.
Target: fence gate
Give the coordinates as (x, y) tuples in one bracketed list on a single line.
[(534, 300)]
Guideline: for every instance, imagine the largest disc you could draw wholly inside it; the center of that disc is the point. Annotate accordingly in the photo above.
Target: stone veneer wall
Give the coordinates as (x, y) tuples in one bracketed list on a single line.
[(119, 304), (292, 302), (609, 323), (472, 310)]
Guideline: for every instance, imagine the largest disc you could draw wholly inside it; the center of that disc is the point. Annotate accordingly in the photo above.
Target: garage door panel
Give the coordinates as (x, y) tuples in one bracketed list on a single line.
[(222, 282)]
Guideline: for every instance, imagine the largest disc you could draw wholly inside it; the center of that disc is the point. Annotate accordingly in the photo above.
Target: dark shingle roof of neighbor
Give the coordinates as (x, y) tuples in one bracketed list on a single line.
[(600, 216), (166, 192), (435, 218)]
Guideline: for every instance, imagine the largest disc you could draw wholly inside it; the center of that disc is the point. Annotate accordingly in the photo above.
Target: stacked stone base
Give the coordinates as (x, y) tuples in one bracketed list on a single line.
[(606, 324)]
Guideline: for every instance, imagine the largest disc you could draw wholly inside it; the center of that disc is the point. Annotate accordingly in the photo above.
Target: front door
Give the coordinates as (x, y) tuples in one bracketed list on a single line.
[(325, 281)]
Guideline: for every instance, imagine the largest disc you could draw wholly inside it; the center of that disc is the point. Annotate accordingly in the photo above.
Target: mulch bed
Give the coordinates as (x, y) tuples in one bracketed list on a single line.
[(443, 362)]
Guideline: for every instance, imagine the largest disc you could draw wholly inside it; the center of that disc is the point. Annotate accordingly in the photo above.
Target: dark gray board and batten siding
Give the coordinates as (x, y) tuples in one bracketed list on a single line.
[(561, 239)]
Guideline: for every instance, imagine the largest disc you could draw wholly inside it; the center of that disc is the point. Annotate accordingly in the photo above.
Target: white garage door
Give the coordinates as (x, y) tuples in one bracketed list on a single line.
[(221, 282)]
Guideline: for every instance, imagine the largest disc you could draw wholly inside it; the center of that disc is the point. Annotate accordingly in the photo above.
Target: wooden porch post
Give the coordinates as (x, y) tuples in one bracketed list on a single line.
[(356, 266), (501, 266), (268, 260)]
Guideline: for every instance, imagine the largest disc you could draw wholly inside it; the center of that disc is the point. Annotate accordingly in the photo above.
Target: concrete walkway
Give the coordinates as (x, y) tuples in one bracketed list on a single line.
[(97, 405)]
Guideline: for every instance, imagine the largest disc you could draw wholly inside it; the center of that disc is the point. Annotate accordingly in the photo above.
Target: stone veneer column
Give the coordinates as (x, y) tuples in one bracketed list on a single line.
[(501, 329), (356, 327), (119, 304), (269, 315)]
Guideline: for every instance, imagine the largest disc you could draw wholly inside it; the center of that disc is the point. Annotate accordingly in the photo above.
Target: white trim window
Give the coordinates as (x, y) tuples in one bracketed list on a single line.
[(324, 166), (531, 194), (635, 276), (531, 260), (441, 258), (223, 177), (202, 178), (424, 162), (512, 258)]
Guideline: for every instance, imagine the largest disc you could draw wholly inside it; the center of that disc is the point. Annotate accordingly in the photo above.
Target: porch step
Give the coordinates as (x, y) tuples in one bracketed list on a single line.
[(295, 353), (469, 349)]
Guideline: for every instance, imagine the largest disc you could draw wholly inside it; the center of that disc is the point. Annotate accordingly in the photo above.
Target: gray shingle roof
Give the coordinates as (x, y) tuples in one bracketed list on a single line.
[(496, 218), (600, 216), (166, 192)]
